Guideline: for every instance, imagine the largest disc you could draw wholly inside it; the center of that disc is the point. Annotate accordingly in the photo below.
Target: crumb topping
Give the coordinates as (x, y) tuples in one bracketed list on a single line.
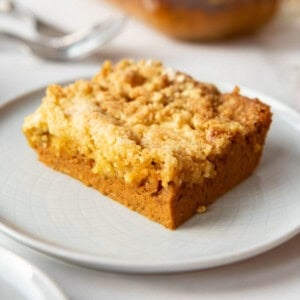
[(140, 119)]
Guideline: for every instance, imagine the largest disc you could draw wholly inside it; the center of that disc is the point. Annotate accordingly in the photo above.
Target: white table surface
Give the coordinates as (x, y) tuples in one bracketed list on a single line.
[(269, 62)]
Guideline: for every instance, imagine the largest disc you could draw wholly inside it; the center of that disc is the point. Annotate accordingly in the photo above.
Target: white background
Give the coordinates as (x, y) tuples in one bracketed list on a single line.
[(269, 62)]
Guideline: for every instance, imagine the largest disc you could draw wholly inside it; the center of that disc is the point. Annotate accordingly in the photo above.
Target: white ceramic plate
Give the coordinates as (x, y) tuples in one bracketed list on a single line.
[(21, 280), (58, 215)]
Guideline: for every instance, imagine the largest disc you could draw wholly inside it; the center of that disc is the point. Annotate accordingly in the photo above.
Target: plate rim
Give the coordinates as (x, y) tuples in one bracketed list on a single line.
[(140, 267), (50, 284)]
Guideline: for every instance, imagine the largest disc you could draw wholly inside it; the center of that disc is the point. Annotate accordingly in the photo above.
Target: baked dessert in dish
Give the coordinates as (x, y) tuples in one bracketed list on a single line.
[(206, 20), (150, 137)]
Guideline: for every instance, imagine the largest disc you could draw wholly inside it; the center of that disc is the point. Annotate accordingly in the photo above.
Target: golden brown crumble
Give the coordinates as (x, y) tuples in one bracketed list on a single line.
[(140, 119), (201, 209)]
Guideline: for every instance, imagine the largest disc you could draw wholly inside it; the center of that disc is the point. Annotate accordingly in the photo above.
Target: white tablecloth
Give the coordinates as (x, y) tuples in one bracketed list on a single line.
[(269, 62)]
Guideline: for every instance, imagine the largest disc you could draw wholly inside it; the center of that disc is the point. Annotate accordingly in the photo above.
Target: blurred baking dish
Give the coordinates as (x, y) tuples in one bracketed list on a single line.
[(202, 19)]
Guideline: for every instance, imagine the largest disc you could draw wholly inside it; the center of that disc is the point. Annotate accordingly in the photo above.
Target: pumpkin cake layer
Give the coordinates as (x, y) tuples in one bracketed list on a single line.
[(150, 137)]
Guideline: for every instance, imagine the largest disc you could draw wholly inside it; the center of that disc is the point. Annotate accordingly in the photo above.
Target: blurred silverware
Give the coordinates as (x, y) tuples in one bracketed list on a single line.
[(52, 43), (16, 10)]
